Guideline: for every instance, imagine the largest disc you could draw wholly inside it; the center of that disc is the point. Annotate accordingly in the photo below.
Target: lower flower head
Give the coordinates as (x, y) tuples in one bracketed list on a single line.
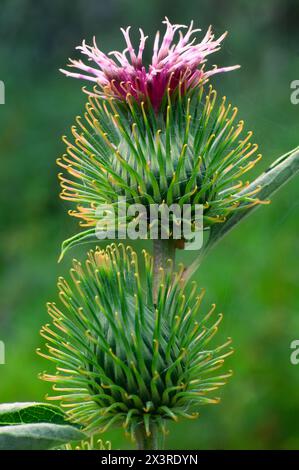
[(123, 359)]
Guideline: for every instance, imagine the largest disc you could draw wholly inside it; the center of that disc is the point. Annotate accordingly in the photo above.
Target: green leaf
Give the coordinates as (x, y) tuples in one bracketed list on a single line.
[(37, 436), (279, 173), (24, 413)]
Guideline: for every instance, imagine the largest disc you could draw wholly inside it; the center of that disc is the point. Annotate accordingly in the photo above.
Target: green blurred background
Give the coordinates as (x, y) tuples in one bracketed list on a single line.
[(253, 275)]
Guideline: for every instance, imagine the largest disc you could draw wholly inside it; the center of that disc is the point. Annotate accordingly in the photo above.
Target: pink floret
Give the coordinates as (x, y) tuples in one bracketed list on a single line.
[(120, 74)]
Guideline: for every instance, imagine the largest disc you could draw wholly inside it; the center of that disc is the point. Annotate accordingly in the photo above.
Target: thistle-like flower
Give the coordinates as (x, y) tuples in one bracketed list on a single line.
[(173, 64), (123, 359)]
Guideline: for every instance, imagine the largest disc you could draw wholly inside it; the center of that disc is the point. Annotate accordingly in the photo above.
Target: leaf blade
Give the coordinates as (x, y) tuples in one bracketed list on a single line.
[(38, 436), (31, 412)]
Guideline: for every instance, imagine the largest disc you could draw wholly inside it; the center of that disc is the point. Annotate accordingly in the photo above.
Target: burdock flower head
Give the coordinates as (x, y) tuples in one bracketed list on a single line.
[(156, 137), (123, 74), (123, 359)]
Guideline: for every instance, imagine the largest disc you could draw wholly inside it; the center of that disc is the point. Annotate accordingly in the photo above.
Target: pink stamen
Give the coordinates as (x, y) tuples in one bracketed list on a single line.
[(123, 73)]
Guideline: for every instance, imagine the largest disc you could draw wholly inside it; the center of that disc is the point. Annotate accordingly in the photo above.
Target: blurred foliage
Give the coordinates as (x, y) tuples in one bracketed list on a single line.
[(253, 275)]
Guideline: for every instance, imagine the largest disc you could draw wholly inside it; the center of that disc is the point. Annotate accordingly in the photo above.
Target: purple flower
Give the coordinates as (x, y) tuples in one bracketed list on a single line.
[(121, 74)]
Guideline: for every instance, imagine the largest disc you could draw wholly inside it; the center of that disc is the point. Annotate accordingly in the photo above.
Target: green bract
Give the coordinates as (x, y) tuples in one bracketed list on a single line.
[(122, 359), (193, 153)]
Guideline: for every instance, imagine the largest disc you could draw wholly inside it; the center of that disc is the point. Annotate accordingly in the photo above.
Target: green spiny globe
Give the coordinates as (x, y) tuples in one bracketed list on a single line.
[(193, 153), (120, 357)]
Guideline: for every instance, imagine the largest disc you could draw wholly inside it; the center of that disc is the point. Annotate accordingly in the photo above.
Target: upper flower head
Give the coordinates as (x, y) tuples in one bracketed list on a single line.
[(173, 65)]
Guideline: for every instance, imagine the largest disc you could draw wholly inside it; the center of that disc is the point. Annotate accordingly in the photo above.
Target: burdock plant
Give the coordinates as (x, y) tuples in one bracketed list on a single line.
[(131, 344)]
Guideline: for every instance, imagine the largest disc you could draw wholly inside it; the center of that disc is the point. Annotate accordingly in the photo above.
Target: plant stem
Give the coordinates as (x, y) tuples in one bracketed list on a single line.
[(163, 250), (153, 441)]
